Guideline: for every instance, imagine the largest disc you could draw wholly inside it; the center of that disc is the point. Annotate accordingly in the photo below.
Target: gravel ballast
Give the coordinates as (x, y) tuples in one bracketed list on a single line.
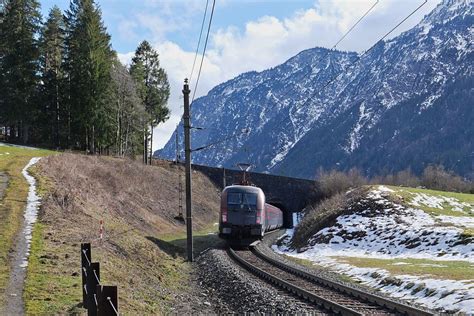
[(231, 289), (265, 247)]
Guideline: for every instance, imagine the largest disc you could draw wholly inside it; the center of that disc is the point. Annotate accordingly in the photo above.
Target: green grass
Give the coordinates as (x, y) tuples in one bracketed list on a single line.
[(13, 204), (202, 239), (48, 293), (310, 264), (409, 193), (449, 270)]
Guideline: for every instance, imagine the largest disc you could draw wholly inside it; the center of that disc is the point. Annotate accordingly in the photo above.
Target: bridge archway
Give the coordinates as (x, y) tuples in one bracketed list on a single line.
[(287, 214)]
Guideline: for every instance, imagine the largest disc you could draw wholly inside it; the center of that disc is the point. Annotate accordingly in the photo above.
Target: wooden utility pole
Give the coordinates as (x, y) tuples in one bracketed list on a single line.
[(187, 152)]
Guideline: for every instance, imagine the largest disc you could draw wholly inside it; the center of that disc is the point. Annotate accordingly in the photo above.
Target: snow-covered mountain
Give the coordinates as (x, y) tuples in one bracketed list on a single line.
[(406, 103)]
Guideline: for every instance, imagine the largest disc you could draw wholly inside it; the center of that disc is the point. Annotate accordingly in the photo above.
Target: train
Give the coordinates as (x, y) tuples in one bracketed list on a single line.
[(245, 216)]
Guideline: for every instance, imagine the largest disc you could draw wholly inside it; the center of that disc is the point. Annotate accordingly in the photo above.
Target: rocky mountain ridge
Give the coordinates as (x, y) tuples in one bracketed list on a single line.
[(406, 103)]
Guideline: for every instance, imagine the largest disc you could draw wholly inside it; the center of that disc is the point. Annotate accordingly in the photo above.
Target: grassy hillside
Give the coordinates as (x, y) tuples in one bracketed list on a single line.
[(12, 205), (143, 249)]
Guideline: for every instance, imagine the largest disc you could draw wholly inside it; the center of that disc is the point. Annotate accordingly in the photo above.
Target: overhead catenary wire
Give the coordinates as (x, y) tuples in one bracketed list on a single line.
[(204, 50), (199, 41), (340, 39), (309, 99), (318, 91), (371, 48), (355, 24), (245, 131)]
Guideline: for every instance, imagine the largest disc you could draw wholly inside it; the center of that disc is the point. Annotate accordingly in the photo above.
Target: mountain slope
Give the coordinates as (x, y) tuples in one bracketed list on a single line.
[(406, 103)]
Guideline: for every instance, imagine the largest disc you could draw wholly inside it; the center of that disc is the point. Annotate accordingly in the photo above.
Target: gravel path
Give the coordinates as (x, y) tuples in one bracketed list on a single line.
[(228, 289)]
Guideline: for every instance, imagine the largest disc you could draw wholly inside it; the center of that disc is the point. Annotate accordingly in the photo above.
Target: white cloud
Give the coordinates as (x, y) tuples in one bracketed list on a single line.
[(126, 58), (269, 41)]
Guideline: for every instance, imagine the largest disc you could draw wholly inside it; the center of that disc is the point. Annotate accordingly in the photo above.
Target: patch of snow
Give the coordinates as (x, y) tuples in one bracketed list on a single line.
[(31, 211), (462, 221), (426, 27), (355, 135), (383, 188), (17, 146), (429, 101), (438, 201), (385, 230), (288, 144)]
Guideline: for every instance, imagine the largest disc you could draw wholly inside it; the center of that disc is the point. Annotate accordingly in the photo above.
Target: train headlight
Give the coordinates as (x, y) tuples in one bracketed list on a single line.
[(259, 217)]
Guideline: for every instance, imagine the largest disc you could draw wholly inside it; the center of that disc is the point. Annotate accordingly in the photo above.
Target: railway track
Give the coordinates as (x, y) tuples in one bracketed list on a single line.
[(331, 296)]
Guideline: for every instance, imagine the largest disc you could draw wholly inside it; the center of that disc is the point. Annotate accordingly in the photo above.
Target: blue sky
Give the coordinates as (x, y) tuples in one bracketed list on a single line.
[(246, 34), (120, 15)]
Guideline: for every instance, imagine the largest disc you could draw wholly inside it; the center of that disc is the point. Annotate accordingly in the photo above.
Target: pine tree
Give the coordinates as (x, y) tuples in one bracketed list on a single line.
[(52, 51), (88, 62), (154, 90), (19, 65)]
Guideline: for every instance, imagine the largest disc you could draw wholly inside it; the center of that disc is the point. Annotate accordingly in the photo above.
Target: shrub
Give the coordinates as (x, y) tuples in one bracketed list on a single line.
[(436, 177), (402, 178), (333, 182), (324, 214)]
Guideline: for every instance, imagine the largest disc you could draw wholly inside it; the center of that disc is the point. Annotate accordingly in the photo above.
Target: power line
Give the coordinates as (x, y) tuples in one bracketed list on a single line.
[(370, 49), (332, 48), (340, 39), (358, 59), (204, 50), (353, 26), (199, 41), (244, 131)]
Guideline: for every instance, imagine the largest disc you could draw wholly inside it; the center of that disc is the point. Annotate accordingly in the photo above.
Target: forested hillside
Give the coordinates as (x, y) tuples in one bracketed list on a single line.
[(62, 85)]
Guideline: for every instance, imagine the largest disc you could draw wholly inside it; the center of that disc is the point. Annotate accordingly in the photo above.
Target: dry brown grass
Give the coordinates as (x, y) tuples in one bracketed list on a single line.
[(137, 204), (324, 214)]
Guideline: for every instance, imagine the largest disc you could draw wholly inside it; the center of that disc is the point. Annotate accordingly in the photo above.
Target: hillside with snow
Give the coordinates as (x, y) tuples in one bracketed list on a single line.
[(412, 244), (406, 103)]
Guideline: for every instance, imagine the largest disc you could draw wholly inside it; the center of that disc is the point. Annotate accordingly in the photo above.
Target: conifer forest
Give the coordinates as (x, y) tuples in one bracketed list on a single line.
[(62, 85)]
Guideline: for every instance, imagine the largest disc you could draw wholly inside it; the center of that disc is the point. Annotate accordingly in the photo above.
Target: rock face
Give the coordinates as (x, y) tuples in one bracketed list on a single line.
[(406, 103)]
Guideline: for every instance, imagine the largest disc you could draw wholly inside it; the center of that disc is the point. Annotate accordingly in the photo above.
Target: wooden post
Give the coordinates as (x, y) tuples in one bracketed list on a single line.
[(93, 279), (85, 261)]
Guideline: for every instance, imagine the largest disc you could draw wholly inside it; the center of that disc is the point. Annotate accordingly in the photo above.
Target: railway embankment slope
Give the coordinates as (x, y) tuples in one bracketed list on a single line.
[(142, 249), (412, 244)]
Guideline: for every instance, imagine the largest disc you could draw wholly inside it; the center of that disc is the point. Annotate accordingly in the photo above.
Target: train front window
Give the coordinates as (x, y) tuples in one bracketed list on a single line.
[(234, 198), (250, 199)]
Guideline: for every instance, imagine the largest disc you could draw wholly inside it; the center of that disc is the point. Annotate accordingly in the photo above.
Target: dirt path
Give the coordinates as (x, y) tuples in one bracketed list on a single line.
[(14, 291), (19, 257), (3, 184)]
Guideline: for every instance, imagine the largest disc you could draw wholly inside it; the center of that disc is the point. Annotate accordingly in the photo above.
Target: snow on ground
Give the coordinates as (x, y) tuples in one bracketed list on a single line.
[(31, 211), (438, 201), (381, 229), (18, 146)]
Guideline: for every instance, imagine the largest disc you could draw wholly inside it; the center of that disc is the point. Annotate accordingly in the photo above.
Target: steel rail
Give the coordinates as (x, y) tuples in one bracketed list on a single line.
[(365, 296), (320, 301)]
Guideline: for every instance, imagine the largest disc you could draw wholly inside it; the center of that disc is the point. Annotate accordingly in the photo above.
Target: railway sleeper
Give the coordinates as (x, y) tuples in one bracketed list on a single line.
[(329, 305)]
